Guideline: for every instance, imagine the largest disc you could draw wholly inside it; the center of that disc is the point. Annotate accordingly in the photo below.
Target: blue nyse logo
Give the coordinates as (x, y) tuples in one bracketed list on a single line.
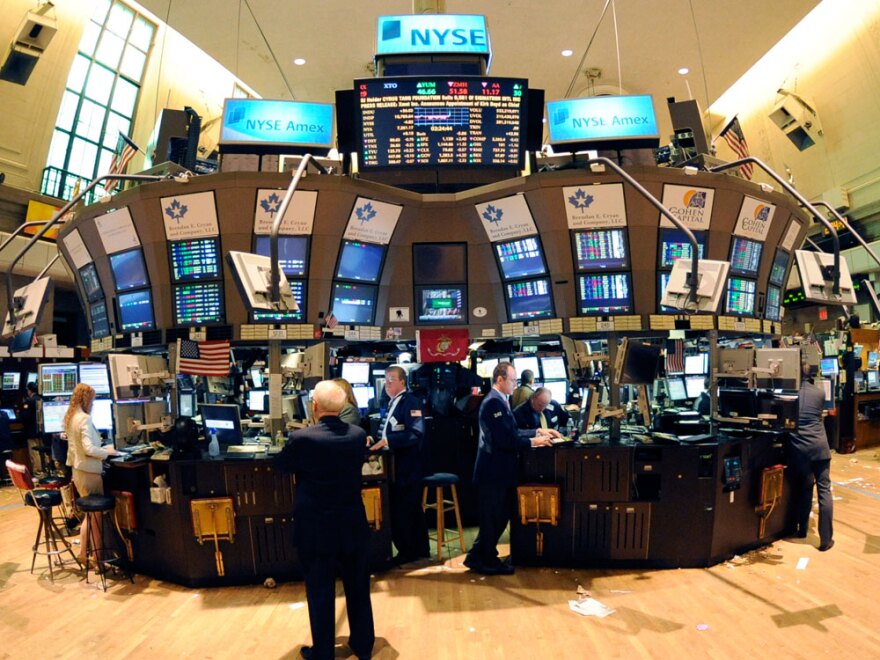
[(432, 33)]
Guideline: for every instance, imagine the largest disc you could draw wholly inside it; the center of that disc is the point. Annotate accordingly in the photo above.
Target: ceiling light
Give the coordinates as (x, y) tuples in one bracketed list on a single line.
[(684, 71), (567, 52), (299, 61)]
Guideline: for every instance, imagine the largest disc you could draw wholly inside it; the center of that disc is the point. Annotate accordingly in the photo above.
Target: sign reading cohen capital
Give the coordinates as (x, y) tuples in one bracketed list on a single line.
[(282, 123), (432, 33), (754, 219)]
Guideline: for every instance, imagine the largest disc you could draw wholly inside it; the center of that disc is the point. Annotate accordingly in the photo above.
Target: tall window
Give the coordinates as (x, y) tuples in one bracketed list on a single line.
[(100, 97)]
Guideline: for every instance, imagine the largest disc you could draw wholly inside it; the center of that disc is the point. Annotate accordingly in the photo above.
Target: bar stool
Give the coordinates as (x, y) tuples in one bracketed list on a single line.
[(438, 481), (98, 509), (43, 501)]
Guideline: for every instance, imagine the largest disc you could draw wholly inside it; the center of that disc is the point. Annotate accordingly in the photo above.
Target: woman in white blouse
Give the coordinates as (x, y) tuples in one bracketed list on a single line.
[(84, 452)]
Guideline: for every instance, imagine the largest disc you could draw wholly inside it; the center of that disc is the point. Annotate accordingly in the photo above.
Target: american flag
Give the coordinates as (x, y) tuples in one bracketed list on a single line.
[(674, 356), (203, 358), (125, 151), (330, 321), (735, 139)]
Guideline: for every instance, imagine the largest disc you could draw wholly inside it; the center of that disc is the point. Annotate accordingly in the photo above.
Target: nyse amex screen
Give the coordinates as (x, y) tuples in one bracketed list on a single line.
[(439, 122)]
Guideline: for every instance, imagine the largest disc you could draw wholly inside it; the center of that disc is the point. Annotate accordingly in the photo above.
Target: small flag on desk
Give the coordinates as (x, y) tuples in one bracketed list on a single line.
[(674, 356), (330, 321), (203, 358), (125, 151)]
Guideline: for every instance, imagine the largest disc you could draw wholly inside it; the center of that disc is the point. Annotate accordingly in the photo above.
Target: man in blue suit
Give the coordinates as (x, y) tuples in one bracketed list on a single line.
[(402, 430), (496, 468), (541, 405), (330, 524)]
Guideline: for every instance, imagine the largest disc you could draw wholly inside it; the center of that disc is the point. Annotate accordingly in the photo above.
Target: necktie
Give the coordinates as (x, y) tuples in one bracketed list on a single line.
[(543, 420)]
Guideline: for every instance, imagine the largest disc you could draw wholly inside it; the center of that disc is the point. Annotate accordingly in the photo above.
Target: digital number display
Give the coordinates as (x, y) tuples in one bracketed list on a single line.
[(600, 249), (198, 304), (196, 259), (604, 294)]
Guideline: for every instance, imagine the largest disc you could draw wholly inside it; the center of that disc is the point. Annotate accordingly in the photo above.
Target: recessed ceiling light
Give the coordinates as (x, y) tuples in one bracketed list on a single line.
[(567, 52), (299, 61), (684, 71)]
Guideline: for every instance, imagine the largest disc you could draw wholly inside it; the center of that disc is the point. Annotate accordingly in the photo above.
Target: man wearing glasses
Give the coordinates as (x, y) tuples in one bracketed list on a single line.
[(495, 471)]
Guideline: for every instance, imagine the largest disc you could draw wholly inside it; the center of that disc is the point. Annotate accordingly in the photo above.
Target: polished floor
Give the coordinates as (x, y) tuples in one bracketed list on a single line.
[(787, 600)]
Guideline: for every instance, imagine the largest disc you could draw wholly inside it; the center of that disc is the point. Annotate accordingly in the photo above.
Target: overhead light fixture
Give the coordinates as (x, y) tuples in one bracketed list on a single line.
[(299, 61), (684, 71), (567, 52)]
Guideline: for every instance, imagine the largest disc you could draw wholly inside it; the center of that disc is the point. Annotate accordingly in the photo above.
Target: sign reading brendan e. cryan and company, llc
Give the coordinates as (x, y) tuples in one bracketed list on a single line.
[(278, 123)]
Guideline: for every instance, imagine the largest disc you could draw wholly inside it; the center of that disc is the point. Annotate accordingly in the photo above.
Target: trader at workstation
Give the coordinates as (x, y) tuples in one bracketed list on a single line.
[(525, 390), (541, 412)]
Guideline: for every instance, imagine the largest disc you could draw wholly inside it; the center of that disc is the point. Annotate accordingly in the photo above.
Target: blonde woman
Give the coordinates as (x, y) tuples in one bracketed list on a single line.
[(85, 453), (350, 414)]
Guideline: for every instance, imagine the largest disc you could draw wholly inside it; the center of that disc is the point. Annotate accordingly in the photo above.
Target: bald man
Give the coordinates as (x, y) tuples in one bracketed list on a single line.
[(330, 524)]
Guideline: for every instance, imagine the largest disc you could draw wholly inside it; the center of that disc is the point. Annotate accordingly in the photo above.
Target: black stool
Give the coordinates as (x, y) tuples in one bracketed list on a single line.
[(97, 510), (438, 481)]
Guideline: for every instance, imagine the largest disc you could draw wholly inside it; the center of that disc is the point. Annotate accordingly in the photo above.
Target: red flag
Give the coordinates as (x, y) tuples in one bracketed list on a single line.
[(203, 358), (735, 139), (442, 345)]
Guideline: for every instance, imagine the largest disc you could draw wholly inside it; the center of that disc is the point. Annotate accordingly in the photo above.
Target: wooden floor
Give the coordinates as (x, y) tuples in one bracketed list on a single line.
[(787, 600)]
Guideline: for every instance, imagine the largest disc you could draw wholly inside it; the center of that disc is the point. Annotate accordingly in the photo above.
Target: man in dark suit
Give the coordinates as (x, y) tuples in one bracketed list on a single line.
[(496, 468), (810, 459), (402, 430), (330, 523), (541, 412)]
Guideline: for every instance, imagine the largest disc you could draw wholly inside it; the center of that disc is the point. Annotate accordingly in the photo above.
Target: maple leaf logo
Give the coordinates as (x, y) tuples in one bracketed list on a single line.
[(580, 200), (493, 215), (271, 204), (365, 213), (176, 210)]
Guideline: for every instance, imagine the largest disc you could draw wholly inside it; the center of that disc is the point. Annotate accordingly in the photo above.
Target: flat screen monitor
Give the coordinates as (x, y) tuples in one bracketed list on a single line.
[(100, 320), (223, 419), (32, 377), (198, 303), (441, 304), (694, 386), (354, 303), (276, 123), (439, 263), (420, 121), (604, 122), (778, 410), (872, 359), (135, 311), (741, 296), (293, 253), (696, 365), (529, 362), (129, 269), (360, 261), (10, 413), (777, 270), (23, 341), (186, 404), (486, 366), (737, 403), (783, 367), (96, 375), (604, 293), (91, 283), (356, 373), (256, 374), (558, 390), (872, 379), (529, 300), (57, 379), (102, 414), (828, 366), (258, 401), (520, 258), (298, 289), (639, 363), (674, 245), (815, 270), (363, 394), (676, 389), (600, 248), (11, 380), (745, 256), (553, 368), (195, 259), (773, 306), (53, 416)]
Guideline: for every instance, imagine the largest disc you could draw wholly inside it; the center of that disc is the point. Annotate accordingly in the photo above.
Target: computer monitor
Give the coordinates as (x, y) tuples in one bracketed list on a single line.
[(773, 304), (360, 261), (694, 386), (872, 359), (22, 341), (529, 300), (735, 403), (32, 377), (520, 258), (256, 374), (11, 380), (745, 256), (600, 249), (604, 293), (135, 311), (779, 411), (298, 290), (57, 379), (186, 404), (363, 394), (10, 413), (829, 367), (558, 390), (223, 419), (674, 245), (258, 401), (293, 253), (100, 320), (354, 303), (741, 296), (872, 379), (589, 409), (695, 365), (356, 373), (53, 416), (198, 303), (553, 368), (530, 362), (102, 414), (676, 389), (195, 259), (777, 270), (486, 366), (439, 263), (91, 283), (785, 365), (441, 304), (96, 375), (129, 270), (637, 363)]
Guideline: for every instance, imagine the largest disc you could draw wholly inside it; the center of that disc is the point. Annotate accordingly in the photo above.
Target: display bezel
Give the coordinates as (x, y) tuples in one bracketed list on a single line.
[(702, 240), (520, 276), (591, 266), (125, 327), (545, 314), (753, 292), (266, 239), (372, 289), (113, 270), (580, 300), (217, 275), (378, 276), (219, 319), (419, 290), (745, 272)]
